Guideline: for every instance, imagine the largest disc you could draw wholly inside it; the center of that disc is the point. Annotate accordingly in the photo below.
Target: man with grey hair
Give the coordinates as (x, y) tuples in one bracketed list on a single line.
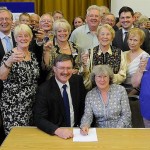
[(85, 36)]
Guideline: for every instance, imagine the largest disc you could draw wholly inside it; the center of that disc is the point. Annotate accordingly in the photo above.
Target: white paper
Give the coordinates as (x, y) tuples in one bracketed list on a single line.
[(91, 137)]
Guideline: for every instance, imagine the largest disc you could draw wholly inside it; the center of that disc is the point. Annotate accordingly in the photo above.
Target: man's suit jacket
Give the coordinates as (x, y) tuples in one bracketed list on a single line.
[(2, 53), (118, 41), (49, 111)]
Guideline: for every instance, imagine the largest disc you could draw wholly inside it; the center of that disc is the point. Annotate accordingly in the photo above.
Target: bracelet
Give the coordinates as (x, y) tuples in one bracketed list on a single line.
[(8, 67)]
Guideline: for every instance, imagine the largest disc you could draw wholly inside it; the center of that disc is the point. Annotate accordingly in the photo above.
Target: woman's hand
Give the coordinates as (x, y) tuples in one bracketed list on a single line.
[(84, 58), (48, 46), (84, 130), (17, 56), (40, 35), (143, 64)]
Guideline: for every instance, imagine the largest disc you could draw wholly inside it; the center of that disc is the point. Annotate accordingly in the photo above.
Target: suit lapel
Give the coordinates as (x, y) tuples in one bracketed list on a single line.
[(13, 39), (121, 38), (2, 52)]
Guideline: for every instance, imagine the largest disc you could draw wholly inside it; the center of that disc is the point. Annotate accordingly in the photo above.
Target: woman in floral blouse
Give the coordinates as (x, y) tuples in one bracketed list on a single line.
[(107, 102)]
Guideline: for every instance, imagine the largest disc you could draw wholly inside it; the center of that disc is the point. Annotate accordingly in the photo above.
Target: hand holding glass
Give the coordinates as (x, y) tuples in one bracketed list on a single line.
[(143, 61)]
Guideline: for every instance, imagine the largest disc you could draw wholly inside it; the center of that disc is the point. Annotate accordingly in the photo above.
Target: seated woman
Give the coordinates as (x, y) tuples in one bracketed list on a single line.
[(107, 102), (104, 53), (60, 45), (133, 56)]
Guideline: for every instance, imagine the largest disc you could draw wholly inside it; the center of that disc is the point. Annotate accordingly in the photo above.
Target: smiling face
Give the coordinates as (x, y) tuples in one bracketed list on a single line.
[(62, 34), (5, 22), (102, 82), (46, 22), (93, 19), (105, 37), (23, 39), (126, 19), (63, 71)]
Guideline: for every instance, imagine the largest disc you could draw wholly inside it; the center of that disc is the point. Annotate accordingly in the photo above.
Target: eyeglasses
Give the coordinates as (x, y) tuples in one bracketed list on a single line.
[(6, 19), (48, 21), (64, 68), (92, 16), (101, 76)]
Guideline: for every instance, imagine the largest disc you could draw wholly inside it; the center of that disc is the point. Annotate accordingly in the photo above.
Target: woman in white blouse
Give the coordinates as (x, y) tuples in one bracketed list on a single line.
[(134, 55)]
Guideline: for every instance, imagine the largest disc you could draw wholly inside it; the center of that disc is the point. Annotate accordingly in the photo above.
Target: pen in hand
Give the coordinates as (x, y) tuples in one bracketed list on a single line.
[(84, 130)]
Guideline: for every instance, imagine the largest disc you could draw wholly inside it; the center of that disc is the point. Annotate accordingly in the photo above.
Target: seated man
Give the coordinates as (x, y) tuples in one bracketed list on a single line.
[(51, 110)]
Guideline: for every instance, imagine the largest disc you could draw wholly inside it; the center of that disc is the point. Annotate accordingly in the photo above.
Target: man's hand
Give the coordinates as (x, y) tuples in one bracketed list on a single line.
[(64, 133)]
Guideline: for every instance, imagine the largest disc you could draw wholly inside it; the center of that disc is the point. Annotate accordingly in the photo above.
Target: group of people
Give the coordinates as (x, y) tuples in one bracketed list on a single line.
[(54, 77)]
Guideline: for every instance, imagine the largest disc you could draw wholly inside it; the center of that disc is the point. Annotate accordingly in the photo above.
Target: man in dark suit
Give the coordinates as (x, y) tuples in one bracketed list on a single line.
[(126, 18), (6, 20), (50, 109)]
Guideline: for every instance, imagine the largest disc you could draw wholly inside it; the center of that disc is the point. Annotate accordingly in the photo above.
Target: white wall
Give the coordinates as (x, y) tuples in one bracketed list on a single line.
[(142, 6)]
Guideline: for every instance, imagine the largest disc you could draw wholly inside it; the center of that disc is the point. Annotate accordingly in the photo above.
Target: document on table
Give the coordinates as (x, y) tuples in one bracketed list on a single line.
[(91, 137)]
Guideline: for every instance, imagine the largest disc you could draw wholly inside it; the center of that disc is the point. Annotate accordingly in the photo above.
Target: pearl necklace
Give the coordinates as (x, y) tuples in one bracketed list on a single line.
[(64, 48)]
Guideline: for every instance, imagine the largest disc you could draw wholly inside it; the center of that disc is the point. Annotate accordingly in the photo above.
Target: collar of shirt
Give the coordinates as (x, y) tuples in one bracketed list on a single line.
[(123, 30), (87, 30), (109, 51), (61, 84), (2, 35)]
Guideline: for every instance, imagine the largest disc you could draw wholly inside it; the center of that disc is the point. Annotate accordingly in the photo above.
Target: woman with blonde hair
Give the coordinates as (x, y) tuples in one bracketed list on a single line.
[(133, 56), (60, 45), (19, 71)]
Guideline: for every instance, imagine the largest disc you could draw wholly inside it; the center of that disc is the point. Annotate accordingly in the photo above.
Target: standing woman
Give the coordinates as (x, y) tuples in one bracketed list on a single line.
[(19, 72), (133, 57), (61, 45)]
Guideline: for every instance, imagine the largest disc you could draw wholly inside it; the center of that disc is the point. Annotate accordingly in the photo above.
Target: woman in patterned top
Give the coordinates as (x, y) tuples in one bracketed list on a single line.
[(107, 102), (19, 72), (60, 45), (104, 53)]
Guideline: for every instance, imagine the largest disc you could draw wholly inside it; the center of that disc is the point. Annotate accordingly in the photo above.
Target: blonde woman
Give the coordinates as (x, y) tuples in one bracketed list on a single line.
[(61, 45), (19, 72)]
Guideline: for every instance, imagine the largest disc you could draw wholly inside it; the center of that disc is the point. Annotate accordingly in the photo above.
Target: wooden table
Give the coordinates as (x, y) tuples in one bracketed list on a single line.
[(30, 138)]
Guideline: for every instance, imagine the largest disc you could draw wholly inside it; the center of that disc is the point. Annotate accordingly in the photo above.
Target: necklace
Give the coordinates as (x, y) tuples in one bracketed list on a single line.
[(64, 47)]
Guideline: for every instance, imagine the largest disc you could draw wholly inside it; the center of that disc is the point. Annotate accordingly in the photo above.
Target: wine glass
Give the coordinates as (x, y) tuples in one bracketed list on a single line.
[(145, 58), (51, 35), (85, 55)]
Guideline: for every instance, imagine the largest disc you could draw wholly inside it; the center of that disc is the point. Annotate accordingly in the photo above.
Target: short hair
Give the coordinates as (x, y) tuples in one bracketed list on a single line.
[(61, 23), (4, 9), (57, 12), (63, 57), (104, 8), (137, 31), (95, 7), (22, 27), (142, 19), (47, 14), (126, 9), (109, 14), (24, 14), (102, 70), (107, 26)]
